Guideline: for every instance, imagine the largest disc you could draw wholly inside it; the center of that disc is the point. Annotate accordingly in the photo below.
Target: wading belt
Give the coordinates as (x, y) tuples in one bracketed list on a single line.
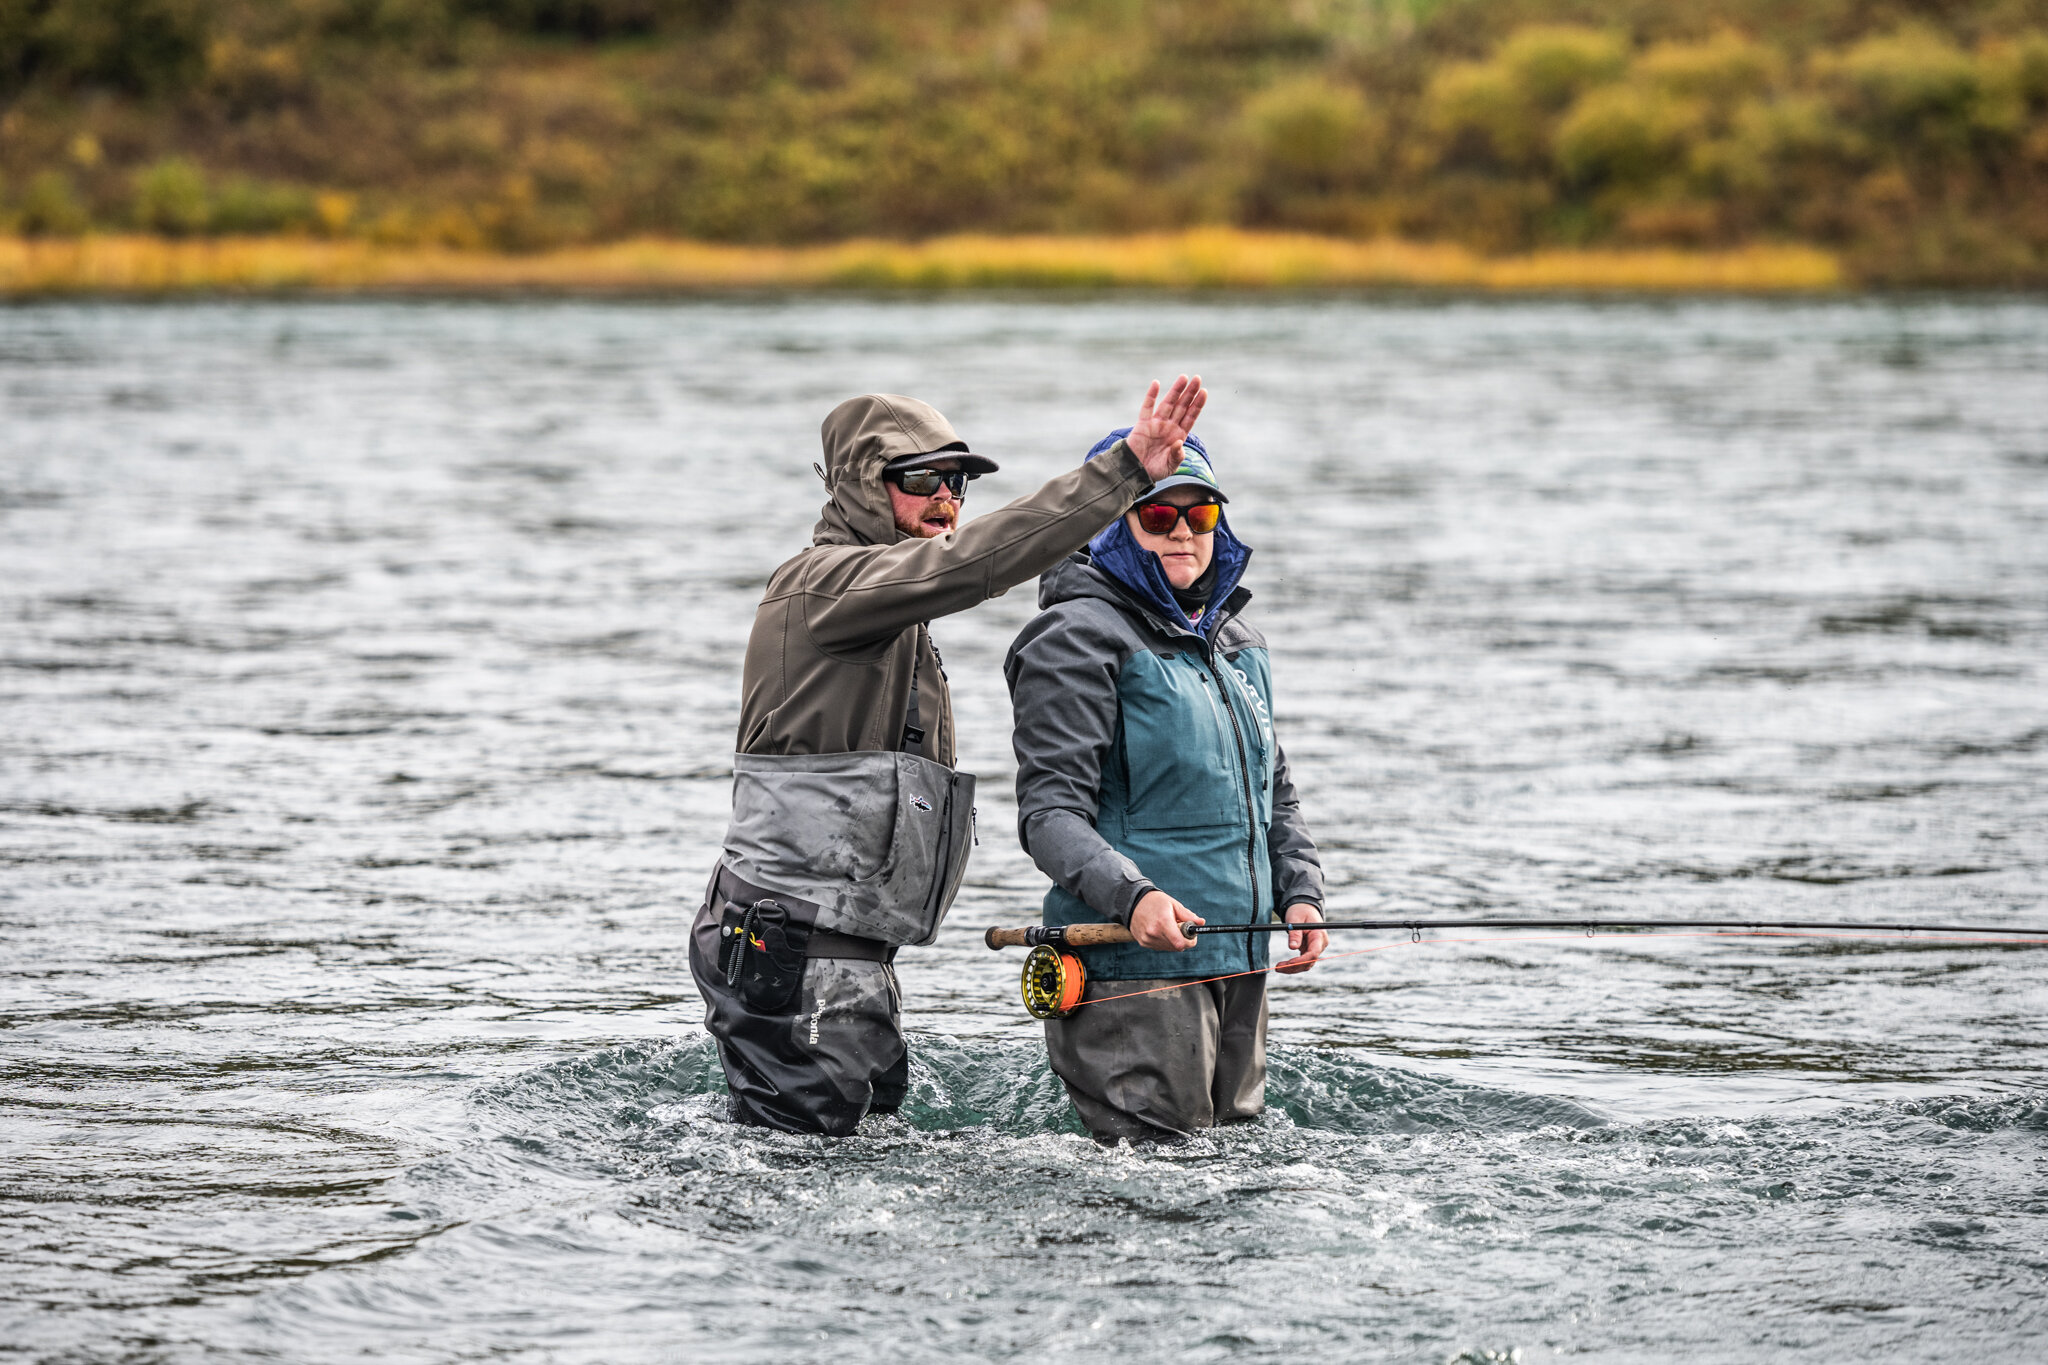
[(822, 942)]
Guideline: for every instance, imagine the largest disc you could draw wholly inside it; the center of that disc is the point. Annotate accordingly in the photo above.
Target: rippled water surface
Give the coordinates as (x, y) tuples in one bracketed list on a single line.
[(369, 676)]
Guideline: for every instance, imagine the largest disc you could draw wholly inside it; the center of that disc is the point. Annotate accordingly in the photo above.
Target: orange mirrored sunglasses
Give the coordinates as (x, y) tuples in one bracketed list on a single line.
[(1158, 518)]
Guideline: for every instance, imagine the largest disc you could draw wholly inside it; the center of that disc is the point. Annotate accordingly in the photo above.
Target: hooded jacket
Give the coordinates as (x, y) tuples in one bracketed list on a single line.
[(840, 632), (1146, 759), (846, 803)]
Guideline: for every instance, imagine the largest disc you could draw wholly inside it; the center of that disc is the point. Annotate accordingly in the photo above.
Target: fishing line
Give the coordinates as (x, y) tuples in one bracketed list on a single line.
[(1067, 999)]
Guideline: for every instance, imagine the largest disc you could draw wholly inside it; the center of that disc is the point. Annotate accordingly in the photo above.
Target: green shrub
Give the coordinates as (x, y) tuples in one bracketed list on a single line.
[(1798, 126), (2028, 58), (1160, 134), (1309, 135), (249, 206), (2015, 75), (171, 198), (1724, 69), (1478, 114), (1501, 110), (50, 207), (1911, 84), (1551, 65), (1765, 142), (1625, 134)]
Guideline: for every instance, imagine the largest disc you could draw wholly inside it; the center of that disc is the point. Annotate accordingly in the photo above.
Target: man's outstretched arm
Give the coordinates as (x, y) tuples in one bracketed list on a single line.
[(876, 594)]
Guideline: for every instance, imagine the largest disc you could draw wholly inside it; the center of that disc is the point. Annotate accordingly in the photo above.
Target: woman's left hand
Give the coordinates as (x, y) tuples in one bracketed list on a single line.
[(1309, 943)]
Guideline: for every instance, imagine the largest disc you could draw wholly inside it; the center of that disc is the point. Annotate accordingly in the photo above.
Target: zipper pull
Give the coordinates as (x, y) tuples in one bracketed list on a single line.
[(974, 824)]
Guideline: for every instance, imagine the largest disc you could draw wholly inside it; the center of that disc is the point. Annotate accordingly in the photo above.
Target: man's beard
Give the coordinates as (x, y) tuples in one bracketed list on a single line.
[(940, 511)]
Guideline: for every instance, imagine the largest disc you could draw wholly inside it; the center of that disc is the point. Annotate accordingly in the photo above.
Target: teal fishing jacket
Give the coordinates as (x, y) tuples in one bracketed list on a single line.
[(1146, 758)]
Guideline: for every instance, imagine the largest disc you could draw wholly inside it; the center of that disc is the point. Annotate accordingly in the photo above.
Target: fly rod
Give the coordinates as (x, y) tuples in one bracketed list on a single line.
[(1054, 979), (1093, 935)]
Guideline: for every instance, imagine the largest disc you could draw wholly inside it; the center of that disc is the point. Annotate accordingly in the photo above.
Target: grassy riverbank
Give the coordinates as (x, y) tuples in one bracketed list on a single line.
[(1201, 259), (1584, 143)]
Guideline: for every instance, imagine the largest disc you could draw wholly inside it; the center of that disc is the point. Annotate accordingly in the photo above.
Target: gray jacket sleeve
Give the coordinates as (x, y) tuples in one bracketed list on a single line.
[(1062, 673), (1297, 867)]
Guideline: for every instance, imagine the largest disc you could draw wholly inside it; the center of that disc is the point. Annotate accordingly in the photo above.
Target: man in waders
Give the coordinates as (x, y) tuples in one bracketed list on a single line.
[(850, 826)]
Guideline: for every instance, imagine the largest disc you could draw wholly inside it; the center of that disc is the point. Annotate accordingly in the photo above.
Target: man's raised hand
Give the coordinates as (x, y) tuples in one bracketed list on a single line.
[(1163, 423)]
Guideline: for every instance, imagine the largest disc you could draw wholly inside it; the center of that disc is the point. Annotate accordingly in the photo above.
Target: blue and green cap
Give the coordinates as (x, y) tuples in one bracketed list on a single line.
[(1194, 468)]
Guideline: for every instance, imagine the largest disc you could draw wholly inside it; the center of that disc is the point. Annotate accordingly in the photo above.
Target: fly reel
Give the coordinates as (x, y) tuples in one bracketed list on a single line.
[(1053, 982)]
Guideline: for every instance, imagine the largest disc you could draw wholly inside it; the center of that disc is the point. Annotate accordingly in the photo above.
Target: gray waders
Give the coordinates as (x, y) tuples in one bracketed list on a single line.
[(1155, 1067), (832, 862)]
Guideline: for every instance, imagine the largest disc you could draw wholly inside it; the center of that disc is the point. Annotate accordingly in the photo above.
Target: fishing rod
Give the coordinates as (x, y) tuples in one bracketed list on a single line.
[(1094, 935), (1054, 980)]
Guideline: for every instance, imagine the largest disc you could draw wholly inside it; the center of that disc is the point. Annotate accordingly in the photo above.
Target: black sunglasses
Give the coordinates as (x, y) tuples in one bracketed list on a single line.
[(922, 483)]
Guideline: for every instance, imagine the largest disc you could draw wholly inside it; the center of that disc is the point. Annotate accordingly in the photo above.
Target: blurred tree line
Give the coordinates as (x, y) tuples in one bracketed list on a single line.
[(1911, 136)]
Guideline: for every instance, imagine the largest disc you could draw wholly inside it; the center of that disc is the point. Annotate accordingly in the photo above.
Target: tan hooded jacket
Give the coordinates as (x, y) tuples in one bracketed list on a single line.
[(842, 625)]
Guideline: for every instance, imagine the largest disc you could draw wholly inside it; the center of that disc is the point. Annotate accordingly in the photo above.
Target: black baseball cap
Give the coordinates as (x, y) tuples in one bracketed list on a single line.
[(967, 460)]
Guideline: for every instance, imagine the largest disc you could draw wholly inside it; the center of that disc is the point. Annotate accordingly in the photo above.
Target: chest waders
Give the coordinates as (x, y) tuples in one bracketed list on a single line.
[(832, 862)]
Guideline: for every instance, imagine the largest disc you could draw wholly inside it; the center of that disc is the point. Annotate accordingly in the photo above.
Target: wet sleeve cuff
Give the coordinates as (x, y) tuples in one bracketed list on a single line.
[(1128, 898), (1131, 467)]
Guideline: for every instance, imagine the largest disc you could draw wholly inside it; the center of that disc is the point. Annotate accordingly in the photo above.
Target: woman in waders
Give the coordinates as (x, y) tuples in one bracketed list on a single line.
[(1151, 789)]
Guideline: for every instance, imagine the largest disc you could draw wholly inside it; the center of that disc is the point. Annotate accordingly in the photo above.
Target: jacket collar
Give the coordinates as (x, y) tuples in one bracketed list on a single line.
[(1078, 576), (1118, 556)]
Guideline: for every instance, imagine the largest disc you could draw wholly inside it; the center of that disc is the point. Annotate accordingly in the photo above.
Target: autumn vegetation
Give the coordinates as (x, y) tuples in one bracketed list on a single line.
[(1109, 141)]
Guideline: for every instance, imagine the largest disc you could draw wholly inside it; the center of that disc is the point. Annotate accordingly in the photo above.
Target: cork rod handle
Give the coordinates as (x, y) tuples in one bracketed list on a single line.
[(1069, 935)]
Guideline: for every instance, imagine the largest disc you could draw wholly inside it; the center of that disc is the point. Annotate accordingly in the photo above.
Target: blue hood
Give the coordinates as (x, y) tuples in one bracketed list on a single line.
[(1117, 553)]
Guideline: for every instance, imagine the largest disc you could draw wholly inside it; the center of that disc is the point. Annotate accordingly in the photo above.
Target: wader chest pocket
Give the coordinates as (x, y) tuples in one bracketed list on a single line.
[(877, 840), (761, 952)]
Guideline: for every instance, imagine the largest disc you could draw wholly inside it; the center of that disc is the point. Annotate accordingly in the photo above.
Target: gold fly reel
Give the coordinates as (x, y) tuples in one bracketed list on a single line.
[(1053, 982)]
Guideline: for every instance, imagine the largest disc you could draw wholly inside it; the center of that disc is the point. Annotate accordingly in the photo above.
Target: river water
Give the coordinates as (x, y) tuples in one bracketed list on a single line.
[(369, 677)]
